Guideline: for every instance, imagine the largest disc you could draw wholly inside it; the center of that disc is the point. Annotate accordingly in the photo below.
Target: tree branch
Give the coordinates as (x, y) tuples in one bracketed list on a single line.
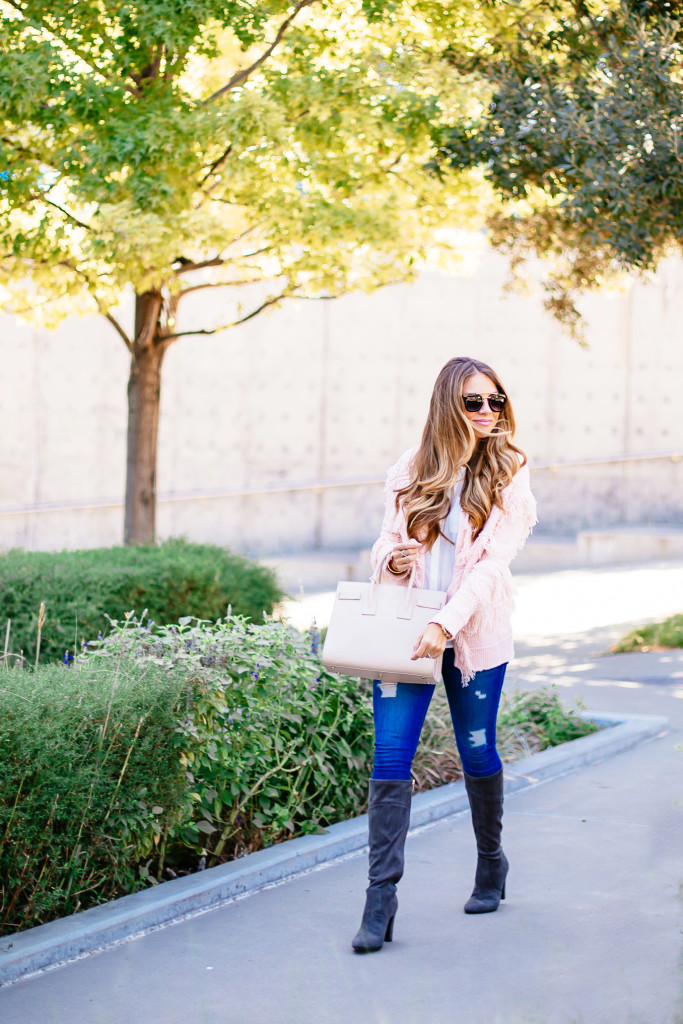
[(105, 313), (256, 252), (216, 164), (61, 209), (247, 231), (79, 273), (29, 154), (242, 76), (151, 70), (188, 265), (117, 327), (23, 310), (216, 284), (235, 323)]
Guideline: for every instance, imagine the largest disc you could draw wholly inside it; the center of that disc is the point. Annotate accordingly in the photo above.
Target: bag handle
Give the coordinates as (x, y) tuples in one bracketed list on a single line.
[(374, 580)]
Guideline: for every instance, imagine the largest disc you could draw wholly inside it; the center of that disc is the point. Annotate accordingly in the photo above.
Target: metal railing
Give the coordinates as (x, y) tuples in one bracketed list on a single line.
[(315, 486), (278, 487), (607, 460)]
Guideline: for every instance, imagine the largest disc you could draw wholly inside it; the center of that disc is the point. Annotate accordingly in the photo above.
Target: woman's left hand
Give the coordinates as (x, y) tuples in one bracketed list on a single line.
[(430, 643)]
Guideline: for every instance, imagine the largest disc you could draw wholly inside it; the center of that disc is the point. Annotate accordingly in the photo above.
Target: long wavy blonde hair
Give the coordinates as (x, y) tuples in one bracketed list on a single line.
[(449, 443)]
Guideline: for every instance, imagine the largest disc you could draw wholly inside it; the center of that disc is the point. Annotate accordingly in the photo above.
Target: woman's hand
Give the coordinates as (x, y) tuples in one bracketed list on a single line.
[(404, 556), (430, 643)]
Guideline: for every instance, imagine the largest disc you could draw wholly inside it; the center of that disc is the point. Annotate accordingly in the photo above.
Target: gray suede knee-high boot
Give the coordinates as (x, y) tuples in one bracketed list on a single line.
[(389, 817), (486, 802)]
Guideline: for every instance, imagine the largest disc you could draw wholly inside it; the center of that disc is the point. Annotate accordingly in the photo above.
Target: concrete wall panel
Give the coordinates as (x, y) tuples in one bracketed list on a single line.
[(336, 390)]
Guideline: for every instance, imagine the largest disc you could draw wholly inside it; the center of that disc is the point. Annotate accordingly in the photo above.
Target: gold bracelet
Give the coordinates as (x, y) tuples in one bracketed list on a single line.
[(395, 572), (449, 636)]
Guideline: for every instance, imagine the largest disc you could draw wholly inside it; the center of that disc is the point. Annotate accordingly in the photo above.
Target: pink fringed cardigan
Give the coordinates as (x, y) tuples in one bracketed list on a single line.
[(480, 596)]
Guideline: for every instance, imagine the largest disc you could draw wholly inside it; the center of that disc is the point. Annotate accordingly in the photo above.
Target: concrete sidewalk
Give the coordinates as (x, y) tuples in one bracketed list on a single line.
[(590, 931)]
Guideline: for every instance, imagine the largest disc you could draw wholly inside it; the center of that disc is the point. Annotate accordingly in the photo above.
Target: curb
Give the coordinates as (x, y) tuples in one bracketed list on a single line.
[(60, 941)]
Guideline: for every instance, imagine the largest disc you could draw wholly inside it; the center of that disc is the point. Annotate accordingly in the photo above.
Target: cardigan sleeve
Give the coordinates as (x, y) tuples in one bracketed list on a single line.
[(485, 583), (391, 532)]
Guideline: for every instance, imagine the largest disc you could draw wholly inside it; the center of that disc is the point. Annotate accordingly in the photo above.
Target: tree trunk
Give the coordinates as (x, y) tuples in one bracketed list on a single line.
[(144, 391)]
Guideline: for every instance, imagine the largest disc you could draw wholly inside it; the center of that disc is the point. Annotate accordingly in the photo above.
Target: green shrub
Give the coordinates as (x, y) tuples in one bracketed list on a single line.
[(540, 714), (164, 750), (161, 749), (81, 588), (86, 764), (668, 633), (274, 745), (528, 721)]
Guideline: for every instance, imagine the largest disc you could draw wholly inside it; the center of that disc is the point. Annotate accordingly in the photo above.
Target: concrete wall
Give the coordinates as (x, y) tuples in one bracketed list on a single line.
[(335, 391)]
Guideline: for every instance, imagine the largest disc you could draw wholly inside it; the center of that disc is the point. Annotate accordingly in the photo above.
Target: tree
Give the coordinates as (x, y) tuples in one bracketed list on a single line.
[(176, 145), (583, 141)]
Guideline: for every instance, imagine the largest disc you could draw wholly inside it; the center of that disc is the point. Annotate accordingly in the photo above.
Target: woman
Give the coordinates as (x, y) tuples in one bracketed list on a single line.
[(458, 509)]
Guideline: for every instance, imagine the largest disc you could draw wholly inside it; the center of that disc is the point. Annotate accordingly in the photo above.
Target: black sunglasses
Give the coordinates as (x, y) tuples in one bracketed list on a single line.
[(473, 403)]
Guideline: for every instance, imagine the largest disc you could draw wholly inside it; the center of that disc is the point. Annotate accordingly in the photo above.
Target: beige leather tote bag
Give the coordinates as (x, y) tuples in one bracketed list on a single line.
[(373, 630)]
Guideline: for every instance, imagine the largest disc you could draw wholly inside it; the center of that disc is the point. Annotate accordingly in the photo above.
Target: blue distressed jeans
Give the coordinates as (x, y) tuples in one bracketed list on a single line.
[(474, 709)]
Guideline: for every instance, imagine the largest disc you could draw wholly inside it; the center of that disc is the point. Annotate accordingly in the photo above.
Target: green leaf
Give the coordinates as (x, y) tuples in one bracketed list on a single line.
[(206, 827)]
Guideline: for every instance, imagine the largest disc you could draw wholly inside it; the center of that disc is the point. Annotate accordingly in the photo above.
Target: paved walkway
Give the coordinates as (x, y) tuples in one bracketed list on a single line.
[(590, 932)]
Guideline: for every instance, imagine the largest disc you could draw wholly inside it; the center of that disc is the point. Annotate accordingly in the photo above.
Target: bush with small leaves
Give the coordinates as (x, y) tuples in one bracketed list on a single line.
[(81, 589), (163, 750), (656, 635), (272, 743)]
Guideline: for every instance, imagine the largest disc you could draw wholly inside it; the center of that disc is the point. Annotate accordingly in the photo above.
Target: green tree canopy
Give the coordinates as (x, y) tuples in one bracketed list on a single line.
[(582, 139), (171, 145)]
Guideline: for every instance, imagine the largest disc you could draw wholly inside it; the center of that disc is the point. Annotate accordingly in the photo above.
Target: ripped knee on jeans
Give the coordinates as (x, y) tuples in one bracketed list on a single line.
[(478, 738)]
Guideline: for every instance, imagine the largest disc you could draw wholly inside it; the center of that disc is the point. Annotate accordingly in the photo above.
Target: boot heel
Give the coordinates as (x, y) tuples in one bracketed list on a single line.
[(390, 929), (502, 895)]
